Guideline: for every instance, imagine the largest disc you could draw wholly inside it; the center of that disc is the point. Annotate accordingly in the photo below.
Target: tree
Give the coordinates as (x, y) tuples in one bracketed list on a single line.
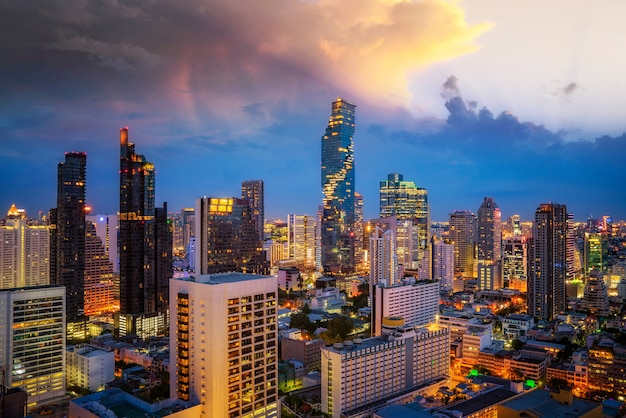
[(517, 344), (557, 384), (301, 321), (340, 327), (306, 309)]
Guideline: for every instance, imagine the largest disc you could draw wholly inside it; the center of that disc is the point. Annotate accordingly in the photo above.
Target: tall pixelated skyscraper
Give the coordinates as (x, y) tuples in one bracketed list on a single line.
[(546, 285), (337, 224), (227, 239), (408, 202), (489, 240), (67, 223), (145, 247), (253, 190), (463, 236)]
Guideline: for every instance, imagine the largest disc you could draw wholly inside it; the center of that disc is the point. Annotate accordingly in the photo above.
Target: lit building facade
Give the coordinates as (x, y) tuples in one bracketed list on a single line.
[(24, 253), (407, 202), (100, 281), (416, 302), (359, 374), (32, 342), (226, 237), (488, 239), (67, 225), (144, 247), (253, 191), (383, 259), (106, 230), (593, 253), (515, 262), (546, 286), (443, 264), (301, 239), (338, 216), (224, 345), (89, 367), (463, 236), (596, 297)]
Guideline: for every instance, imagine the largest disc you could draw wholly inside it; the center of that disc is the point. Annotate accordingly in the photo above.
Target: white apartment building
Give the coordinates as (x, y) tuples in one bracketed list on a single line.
[(516, 326), (383, 258), (301, 239), (359, 374), (89, 367), (415, 301), (223, 344), (32, 341), (476, 338), (24, 254), (443, 265)]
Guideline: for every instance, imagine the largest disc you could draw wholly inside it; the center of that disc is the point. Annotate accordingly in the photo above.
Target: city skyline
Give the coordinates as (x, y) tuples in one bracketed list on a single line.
[(449, 94)]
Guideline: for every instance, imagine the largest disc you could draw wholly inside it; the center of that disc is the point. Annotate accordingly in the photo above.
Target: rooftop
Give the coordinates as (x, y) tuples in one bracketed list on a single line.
[(221, 278), (480, 402), (540, 402)]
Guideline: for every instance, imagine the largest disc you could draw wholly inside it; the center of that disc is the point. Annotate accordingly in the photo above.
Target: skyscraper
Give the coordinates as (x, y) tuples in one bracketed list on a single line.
[(463, 236), (145, 247), (253, 191), (383, 258), (443, 264), (409, 203), (337, 225), (515, 262), (489, 238), (99, 276), (301, 239), (67, 222), (227, 239), (24, 252), (546, 286)]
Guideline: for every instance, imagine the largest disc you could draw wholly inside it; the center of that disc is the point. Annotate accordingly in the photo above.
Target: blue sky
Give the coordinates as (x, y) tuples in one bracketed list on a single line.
[(520, 101)]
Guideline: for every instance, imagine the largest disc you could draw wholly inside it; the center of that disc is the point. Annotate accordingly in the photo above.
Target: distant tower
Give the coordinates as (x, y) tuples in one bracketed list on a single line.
[(593, 253), (463, 236), (67, 221), (383, 258), (226, 237), (407, 202), (546, 286), (489, 238), (99, 277), (359, 220), (253, 191), (337, 226), (145, 247)]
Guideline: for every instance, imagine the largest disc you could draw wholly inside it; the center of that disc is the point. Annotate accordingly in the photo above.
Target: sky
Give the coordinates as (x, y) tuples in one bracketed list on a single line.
[(523, 102)]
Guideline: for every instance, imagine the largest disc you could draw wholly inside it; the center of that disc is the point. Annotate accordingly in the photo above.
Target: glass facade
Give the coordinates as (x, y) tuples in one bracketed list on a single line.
[(337, 226)]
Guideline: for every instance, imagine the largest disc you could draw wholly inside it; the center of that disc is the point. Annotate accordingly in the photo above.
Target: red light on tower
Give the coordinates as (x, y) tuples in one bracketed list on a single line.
[(87, 209)]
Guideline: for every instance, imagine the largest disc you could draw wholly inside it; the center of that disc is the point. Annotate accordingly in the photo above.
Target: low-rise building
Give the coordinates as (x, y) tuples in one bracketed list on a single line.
[(89, 367), (516, 326)]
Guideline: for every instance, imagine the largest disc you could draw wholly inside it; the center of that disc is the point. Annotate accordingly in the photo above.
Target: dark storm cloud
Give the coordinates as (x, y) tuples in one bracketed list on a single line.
[(523, 164)]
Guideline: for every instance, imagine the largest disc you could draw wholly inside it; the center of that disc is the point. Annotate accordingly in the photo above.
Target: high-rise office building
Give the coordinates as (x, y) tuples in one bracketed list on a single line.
[(67, 243), (546, 285), (224, 344), (338, 218), (593, 259), (489, 239), (463, 236), (443, 264), (227, 239), (145, 247), (596, 298), (515, 262), (106, 229), (32, 342), (301, 239), (359, 221), (361, 374), (383, 259), (407, 202), (188, 221), (99, 277), (253, 191), (24, 252)]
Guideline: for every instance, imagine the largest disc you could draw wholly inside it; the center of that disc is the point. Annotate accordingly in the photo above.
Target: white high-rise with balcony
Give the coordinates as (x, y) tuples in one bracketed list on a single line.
[(223, 344)]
